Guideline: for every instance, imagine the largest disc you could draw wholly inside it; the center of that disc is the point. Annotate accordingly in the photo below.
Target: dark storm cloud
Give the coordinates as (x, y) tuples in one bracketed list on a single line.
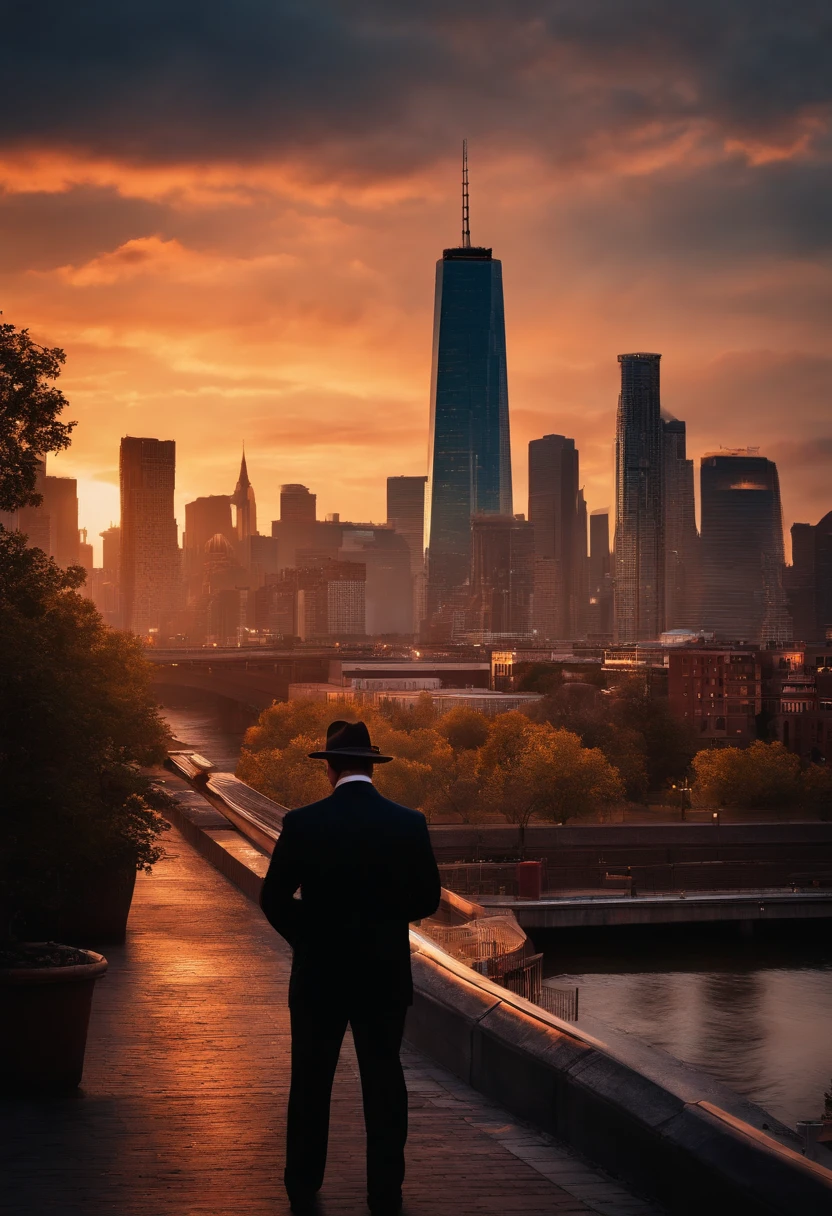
[(192, 78), (39, 231)]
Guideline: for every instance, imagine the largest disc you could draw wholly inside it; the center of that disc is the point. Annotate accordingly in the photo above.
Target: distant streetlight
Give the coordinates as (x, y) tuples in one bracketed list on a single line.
[(716, 818), (684, 796)]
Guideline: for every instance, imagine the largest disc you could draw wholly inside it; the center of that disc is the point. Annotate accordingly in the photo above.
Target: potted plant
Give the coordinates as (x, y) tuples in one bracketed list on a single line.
[(45, 999), (78, 721)]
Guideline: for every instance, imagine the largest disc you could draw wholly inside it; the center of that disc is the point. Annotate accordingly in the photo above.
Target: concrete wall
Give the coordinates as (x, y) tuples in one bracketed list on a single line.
[(686, 856), (669, 1130)]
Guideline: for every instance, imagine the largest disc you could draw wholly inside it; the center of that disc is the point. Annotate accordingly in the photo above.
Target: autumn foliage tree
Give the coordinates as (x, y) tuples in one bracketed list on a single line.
[(531, 769), (460, 766), (760, 776)]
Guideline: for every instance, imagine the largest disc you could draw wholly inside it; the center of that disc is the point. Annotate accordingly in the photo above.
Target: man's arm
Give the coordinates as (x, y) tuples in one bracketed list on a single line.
[(425, 888), (277, 900)]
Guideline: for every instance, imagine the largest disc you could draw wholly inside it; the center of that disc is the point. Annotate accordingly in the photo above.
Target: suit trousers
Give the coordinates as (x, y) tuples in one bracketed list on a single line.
[(318, 1030)]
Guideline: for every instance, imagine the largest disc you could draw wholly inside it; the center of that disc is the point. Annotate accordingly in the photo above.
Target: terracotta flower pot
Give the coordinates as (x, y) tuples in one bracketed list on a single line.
[(44, 1015)]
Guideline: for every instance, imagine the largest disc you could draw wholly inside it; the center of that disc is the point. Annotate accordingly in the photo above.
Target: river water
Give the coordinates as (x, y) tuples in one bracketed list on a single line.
[(755, 1013)]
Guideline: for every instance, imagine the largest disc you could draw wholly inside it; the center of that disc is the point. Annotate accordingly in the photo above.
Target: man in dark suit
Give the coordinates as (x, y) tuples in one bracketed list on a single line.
[(365, 868)]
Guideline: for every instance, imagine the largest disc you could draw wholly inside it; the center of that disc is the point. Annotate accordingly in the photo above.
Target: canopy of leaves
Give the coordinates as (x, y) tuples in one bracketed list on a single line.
[(759, 776), (77, 719), (637, 734), (29, 414), (530, 768), (464, 766)]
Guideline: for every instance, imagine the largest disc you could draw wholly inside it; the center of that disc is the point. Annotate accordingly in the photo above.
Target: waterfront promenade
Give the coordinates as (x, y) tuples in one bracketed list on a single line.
[(183, 1102)]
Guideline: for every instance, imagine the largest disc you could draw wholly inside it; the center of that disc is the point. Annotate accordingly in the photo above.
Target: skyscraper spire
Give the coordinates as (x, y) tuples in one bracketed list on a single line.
[(466, 215), (243, 500)]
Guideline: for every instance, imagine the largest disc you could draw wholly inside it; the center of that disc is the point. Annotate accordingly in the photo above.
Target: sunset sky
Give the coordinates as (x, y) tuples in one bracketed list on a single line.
[(229, 217)]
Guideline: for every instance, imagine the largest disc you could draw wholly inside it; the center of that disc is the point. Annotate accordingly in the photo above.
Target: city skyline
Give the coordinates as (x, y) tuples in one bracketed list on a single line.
[(241, 282)]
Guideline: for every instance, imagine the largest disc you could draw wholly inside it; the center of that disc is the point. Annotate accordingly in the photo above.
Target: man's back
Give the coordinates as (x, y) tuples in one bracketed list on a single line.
[(365, 868)]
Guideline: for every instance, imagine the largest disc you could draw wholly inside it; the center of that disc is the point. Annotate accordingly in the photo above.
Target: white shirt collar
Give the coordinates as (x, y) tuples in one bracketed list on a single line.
[(353, 777)]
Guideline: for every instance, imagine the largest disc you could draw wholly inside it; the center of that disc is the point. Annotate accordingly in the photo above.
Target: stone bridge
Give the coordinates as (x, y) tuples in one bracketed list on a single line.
[(251, 680)]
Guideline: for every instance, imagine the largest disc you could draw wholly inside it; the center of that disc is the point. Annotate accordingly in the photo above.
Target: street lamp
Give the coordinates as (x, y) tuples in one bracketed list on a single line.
[(684, 796)]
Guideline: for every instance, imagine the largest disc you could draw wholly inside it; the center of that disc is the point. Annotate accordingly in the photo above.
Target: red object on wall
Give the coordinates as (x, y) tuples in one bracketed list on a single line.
[(529, 879)]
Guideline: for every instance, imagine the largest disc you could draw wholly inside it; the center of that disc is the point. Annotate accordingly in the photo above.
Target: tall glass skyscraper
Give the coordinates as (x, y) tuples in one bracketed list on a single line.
[(639, 523), (469, 460), (742, 548)]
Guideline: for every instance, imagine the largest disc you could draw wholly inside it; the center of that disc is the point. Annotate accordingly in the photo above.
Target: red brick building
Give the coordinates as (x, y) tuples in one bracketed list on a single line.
[(717, 691)]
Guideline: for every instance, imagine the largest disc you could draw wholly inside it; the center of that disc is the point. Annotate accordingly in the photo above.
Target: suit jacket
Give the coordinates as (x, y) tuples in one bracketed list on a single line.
[(365, 868)]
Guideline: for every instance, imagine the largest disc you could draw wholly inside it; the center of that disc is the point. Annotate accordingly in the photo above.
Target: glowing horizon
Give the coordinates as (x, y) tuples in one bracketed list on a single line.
[(232, 254)]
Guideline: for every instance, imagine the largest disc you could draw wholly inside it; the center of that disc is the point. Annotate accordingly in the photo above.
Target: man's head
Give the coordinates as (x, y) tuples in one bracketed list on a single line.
[(348, 751)]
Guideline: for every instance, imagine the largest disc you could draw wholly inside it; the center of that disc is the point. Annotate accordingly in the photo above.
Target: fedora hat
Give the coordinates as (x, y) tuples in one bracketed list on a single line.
[(349, 739)]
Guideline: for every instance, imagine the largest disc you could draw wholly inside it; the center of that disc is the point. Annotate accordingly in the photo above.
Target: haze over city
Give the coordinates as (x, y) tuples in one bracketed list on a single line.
[(242, 249)]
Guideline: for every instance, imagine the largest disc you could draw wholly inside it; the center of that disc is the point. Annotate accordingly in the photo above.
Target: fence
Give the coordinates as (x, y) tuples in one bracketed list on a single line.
[(497, 947), (482, 877)]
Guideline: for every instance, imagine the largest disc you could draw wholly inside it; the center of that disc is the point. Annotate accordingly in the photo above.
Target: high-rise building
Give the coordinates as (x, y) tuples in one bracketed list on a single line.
[(60, 502), (85, 553), (111, 551), (681, 540), (33, 522), (259, 556), (502, 577), (558, 513), (102, 584), (388, 582), (150, 566), (245, 505), (469, 461), (743, 598), (810, 580), (204, 518), (599, 622), (639, 521), (330, 601), (406, 515), (296, 527)]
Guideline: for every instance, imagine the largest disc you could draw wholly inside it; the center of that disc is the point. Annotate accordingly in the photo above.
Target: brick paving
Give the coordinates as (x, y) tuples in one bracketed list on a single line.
[(182, 1107)]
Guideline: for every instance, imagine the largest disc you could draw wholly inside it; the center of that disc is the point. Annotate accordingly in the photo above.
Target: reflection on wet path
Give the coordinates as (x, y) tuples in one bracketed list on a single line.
[(755, 1014)]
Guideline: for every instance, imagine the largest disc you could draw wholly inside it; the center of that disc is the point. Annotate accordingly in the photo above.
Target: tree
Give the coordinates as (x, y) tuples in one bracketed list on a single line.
[(29, 410), (77, 720), (286, 774), (530, 768), (465, 729), (636, 733), (762, 775), (283, 721), (412, 717)]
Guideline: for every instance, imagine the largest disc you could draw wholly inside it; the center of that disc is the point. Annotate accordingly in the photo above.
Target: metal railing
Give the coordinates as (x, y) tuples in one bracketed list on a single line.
[(496, 946)]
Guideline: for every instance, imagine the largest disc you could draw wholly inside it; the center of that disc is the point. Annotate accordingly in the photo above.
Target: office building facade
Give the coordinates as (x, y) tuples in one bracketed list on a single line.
[(639, 580), (502, 578), (469, 460), (558, 514), (149, 558), (743, 563), (599, 612), (681, 540), (810, 580)]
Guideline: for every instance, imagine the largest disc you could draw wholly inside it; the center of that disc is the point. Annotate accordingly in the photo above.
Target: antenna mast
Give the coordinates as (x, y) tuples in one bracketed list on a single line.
[(466, 217)]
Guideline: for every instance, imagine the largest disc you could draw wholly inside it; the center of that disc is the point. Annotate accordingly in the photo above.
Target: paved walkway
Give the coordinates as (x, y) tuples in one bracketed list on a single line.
[(182, 1108)]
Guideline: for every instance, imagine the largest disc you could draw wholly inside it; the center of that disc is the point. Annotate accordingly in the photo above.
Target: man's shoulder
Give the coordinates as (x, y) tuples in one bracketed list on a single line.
[(405, 814), (303, 814)]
